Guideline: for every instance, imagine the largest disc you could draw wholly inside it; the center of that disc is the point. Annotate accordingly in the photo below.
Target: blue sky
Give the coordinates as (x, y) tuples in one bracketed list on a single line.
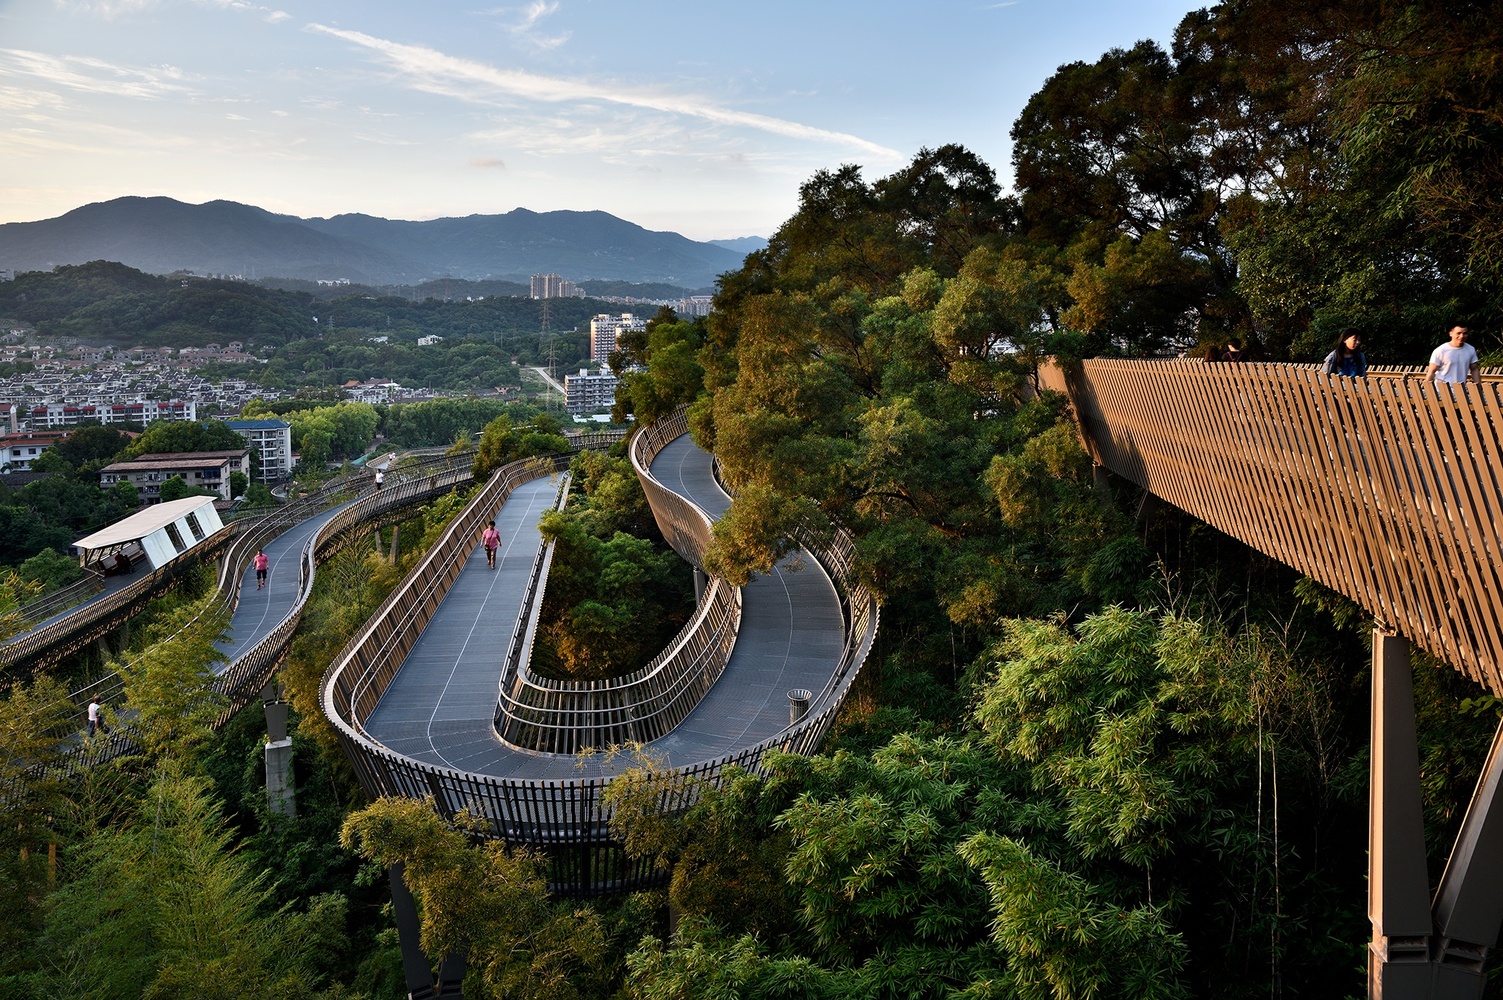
[(703, 118)]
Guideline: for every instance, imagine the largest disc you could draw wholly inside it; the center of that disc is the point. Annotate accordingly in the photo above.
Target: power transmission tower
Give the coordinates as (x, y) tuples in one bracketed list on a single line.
[(552, 363)]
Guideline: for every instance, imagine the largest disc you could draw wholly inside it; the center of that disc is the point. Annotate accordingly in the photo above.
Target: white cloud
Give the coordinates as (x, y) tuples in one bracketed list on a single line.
[(93, 76), (438, 73), (534, 14)]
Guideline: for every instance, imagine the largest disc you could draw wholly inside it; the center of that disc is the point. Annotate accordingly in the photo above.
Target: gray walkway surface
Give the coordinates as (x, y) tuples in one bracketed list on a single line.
[(440, 708), (444, 698), (260, 611)]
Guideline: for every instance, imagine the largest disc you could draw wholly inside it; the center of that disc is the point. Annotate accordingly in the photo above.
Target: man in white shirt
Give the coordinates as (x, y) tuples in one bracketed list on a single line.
[(1454, 362), (93, 716)]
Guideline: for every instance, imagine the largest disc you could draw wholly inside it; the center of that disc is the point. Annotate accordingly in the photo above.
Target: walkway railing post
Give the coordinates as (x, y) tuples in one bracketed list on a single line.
[(1398, 888)]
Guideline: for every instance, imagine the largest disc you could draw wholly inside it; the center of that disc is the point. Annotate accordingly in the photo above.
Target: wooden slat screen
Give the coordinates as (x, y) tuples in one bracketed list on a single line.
[(1386, 489)]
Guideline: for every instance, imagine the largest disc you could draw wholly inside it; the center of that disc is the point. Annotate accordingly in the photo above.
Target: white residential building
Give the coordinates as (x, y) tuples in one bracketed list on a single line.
[(141, 411), (554, 286), (271, 440), (589, 392), (605, 328)]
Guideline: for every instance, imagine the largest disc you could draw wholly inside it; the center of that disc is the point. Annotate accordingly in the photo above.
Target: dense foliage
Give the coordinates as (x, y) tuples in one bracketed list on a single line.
[(1092, 755), (616, 594)]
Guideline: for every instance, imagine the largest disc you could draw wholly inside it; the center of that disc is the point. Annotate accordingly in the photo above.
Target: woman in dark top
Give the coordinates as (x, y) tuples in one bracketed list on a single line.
[(1346, 358)]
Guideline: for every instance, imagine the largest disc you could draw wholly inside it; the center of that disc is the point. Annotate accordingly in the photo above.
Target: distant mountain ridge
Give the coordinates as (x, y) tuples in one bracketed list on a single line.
[(161, 235)]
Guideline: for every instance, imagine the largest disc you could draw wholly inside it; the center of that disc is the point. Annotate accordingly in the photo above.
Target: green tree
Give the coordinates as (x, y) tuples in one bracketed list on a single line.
[(92, 444), (174, 436), (502, 442), (169, 697), (175, 488), (166, 906), (484, 900), (50, 569), (37, 725)]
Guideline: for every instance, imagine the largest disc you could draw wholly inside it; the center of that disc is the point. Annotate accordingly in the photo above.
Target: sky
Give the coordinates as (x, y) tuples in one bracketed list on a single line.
[(700, 118)]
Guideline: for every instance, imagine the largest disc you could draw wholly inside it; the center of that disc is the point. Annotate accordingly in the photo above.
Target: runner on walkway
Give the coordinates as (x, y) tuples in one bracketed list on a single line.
[(261, 562), (491, 539)]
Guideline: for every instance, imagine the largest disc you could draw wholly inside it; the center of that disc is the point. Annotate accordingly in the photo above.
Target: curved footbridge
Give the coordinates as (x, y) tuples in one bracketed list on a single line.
[(435, 697), (1386, 489), (296, 538)]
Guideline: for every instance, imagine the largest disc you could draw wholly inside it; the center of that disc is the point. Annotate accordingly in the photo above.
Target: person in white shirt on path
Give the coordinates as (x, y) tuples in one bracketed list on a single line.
[(1454, 362)]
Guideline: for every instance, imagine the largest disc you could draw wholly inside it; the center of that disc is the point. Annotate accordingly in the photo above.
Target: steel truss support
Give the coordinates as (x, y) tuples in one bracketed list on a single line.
[(1423, 949)]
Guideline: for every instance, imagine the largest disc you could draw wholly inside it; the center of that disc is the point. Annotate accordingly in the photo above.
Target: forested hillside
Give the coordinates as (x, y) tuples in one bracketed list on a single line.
[(308, 342), (1100, 750)]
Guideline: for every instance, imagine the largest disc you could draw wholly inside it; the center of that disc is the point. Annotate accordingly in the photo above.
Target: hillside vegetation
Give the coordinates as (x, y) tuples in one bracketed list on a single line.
[(1097, 751)]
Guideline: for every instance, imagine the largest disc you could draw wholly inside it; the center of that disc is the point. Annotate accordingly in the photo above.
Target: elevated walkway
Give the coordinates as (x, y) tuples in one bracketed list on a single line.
[(406, 695), (1386, 489), (440, 707)]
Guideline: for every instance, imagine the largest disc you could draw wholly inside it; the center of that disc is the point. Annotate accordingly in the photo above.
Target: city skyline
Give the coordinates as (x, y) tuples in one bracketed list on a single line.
[(693, 119)]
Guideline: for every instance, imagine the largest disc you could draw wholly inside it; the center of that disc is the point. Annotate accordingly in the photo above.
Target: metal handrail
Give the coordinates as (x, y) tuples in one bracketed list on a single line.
[(563, 716)]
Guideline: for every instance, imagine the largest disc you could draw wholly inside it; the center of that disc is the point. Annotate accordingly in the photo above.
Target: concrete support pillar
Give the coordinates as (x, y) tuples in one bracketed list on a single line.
[(418, 972), (1101, 479), (701, 581), (1398, 889), (396, 538), (280, 795)]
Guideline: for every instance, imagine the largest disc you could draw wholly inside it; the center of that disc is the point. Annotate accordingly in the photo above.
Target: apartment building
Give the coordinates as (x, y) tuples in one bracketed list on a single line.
[(271, 440), (206, 469), (605, 328), (140, 411), (589, 392)]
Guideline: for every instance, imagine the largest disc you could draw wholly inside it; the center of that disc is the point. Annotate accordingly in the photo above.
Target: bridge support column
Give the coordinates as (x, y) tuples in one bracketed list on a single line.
[(396, 539), (1420, 950), (416, 969), (701, 581), (1469, 902), (280, 795), (1398, 887)]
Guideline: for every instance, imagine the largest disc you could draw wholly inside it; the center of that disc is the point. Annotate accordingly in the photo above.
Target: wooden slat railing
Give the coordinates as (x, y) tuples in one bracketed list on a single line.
[(1386, 489)]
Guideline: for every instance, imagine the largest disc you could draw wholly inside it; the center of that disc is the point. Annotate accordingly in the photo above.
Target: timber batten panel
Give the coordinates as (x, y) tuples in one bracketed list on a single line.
[(1385, 489)]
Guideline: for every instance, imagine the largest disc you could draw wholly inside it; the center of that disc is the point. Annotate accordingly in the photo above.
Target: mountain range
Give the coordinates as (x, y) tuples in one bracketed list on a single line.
[(162, 236)]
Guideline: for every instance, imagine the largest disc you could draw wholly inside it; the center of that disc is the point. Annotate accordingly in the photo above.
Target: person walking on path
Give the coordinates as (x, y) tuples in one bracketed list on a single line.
[(1346, 358), (261, 562), (380, 478), (1455, 362), (94, 723), (491, 539)]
